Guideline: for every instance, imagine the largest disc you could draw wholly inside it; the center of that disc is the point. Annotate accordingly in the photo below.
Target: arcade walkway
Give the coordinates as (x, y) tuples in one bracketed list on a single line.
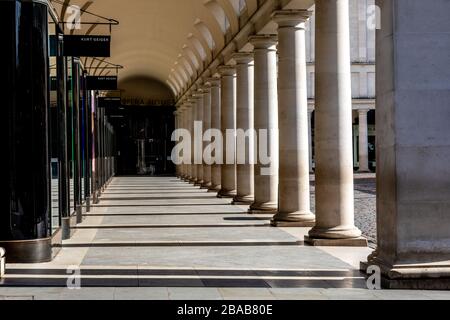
[(160, 238)]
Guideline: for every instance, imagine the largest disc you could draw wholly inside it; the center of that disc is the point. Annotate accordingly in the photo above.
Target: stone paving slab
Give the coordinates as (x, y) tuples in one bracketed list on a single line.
[(184, 243), (156, 293)]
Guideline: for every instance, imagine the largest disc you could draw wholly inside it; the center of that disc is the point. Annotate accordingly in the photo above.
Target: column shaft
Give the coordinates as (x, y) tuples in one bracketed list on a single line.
[(266, 124), (310, 140), (177, 127), (363, 142), (333, 135), (228, 126), (294, 187), (26, 207), (182, 127), (216, 168), (245, 128), (206, 126), (192, 166), (198, 138)]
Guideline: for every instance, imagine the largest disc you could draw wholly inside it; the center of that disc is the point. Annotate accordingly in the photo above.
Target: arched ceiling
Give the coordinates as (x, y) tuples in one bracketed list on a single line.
[(168, 40)]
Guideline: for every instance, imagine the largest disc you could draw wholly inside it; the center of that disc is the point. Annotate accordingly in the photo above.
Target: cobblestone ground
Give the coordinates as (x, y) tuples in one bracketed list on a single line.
[(365, 205)]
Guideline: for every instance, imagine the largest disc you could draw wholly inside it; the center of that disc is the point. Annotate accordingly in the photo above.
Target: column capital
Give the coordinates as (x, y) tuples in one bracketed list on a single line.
[(264, 41), (192, 100), (206, 88), (198, 95), (243, 57), (227, 71), (214, 82), (363, 111), (291, 18)]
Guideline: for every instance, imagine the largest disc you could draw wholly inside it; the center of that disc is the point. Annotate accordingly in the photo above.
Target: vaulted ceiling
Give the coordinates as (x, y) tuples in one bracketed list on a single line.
[(171, 41)]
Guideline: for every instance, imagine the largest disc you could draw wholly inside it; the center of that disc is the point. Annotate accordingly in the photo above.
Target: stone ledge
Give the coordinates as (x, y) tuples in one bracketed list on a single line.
[(354, 242), (413, 277), (416, 284)]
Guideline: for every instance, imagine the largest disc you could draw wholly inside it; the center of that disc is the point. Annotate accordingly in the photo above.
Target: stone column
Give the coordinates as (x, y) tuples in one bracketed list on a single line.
[(310, 141), (228, 122), (206, 126), (245, 128), (192, 117), (183, 126), (216, 168), (413, 146), (198, 137), (334, 134), (294, 208), (188, 126), (266, 118), (177, 115), (363, 142)]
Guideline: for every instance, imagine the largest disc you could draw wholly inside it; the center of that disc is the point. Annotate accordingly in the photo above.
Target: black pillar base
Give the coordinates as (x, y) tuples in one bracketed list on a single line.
[(88, 204), (33, 251), (67, 225)]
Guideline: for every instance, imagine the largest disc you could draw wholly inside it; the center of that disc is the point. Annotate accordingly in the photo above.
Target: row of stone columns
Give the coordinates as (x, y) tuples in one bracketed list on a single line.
[(266, 92), (413, 193)]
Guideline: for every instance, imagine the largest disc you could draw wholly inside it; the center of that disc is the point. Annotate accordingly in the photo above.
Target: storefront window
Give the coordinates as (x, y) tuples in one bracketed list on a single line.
[(71, 132), (53, 116)]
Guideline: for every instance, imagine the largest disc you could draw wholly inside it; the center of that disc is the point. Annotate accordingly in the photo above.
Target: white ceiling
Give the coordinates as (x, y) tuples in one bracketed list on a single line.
[(171, 41)]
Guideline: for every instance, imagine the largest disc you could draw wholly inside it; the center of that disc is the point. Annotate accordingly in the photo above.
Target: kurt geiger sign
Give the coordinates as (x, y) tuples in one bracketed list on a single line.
[(146, 102), (85, 46)]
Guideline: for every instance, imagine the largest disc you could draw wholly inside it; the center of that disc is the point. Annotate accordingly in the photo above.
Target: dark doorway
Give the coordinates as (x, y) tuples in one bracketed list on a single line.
[(143, 139)]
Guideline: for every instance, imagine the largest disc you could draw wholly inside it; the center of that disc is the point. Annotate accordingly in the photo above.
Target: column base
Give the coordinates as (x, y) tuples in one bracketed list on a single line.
[(226, 194), (88, 204), (198, 183), (423, 276), (206, 185), (263, 208), (33, 251), (79, 213), (349, 242), (215, 189), (67, 225), (295, 219), (244, 200), (95, 198), (336, 233)]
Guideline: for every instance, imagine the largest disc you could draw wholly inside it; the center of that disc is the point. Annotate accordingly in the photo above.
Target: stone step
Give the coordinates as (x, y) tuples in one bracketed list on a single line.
[(106, 276)]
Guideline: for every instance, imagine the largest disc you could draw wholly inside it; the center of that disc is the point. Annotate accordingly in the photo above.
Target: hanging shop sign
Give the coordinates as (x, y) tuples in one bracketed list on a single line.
[(101, 83), (108, 102), (87, 46), (83, 46), (146, 102)]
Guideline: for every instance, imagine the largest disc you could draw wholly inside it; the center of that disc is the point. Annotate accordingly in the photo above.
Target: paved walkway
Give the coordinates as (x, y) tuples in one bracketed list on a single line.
[(160, 238)]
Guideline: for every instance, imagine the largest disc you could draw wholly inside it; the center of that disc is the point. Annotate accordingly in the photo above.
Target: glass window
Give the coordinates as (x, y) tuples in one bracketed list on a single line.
[(54, 125), (71, 132)]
